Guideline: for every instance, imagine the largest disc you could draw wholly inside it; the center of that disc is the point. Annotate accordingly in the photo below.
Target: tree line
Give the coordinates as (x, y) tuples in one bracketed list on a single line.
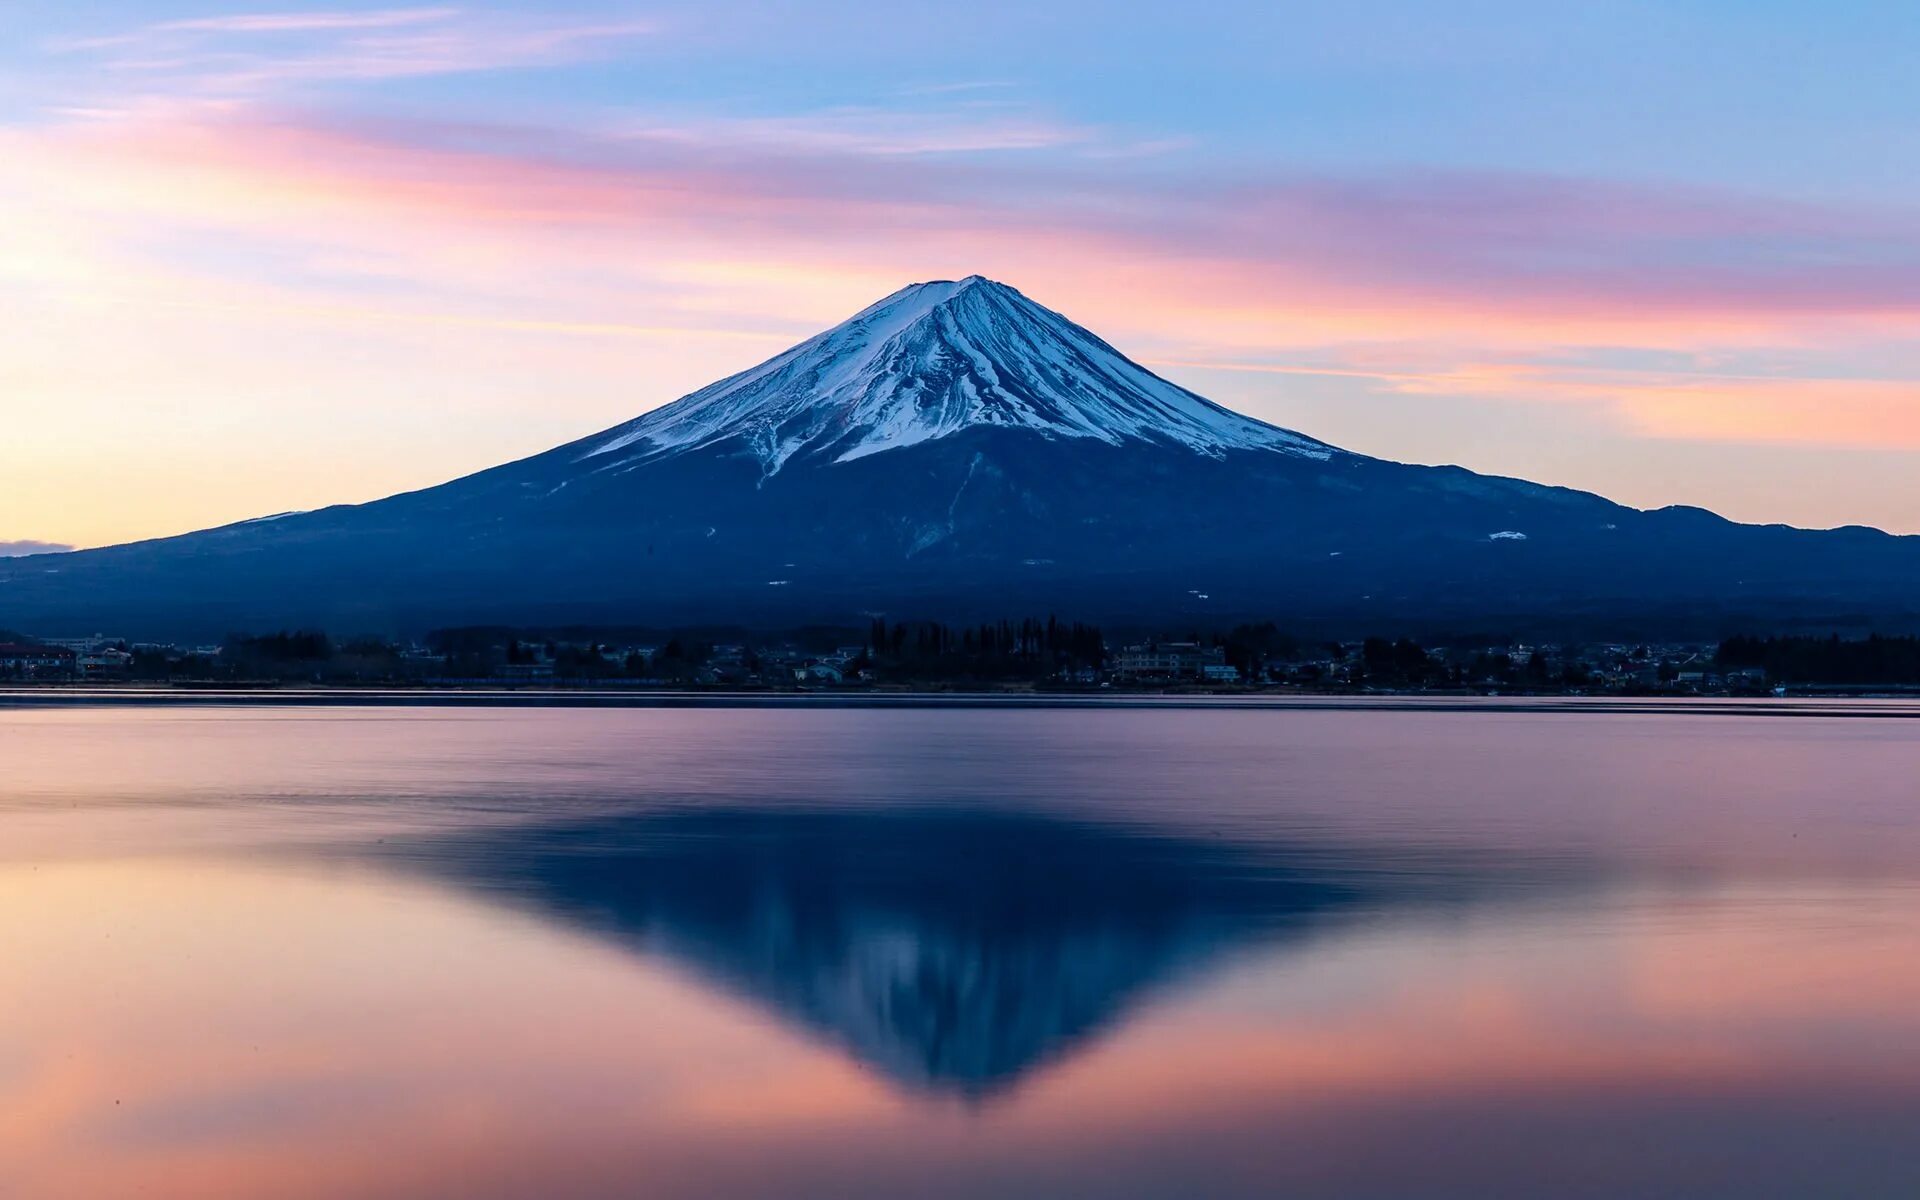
[(1876, 659), (990, 650)]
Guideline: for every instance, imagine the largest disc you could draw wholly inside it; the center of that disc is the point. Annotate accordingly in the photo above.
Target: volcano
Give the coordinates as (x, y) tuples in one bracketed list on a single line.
[(958, 451)]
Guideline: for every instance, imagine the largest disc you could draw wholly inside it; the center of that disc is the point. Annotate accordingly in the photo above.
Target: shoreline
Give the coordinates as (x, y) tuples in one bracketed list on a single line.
[(1855, 706)]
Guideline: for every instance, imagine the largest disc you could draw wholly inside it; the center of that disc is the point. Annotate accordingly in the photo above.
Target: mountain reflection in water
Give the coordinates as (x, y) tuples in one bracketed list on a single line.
[(953, 952), (734, 954)]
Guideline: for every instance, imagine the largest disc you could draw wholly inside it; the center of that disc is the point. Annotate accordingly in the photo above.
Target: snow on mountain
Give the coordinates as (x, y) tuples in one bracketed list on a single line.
[(929, 361)]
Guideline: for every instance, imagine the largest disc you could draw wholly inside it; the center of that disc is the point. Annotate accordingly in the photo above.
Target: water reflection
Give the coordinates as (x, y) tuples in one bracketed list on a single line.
[(950, 951), (595, 955)]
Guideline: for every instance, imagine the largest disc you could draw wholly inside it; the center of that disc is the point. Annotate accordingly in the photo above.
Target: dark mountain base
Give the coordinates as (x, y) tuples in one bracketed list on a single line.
[(982, 524)]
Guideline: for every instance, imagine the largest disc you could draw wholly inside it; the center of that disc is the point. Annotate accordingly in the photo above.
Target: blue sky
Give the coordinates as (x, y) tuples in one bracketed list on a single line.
[(1811, 100)]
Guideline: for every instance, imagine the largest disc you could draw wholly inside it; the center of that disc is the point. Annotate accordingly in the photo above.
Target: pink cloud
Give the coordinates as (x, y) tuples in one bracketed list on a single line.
[(698, 248), (302, 22), (867, 131), (1420, 243), (1508, 263), (252, 54)]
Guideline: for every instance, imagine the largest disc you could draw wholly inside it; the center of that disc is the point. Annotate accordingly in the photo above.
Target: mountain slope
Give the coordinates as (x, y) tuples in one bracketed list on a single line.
[(957, 450)]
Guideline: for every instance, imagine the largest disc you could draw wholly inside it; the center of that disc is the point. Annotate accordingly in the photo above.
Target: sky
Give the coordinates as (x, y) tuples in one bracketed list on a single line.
[(256, 259)]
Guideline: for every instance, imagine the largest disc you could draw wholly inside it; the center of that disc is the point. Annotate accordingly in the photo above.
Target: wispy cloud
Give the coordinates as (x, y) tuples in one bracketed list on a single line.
[(306, 22), (1568, 261), (1704, 405), (956, 86), (1553, 249), (889, 131), (1696, 406), (252, 54)]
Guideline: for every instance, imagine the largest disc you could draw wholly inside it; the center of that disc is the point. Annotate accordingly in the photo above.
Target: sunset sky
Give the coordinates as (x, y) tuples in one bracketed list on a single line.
[(255, 259)]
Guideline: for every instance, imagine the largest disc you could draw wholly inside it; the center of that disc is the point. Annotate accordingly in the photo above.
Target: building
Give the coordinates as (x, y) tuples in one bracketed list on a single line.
[(21, 661), (80, 645), (1170, 660), (104, 662)]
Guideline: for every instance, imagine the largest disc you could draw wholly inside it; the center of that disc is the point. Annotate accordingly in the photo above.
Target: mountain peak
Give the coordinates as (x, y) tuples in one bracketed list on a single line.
[(929, 361)]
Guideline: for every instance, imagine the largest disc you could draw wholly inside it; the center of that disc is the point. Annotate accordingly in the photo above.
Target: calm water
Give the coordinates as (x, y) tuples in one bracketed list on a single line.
[(419, 952)]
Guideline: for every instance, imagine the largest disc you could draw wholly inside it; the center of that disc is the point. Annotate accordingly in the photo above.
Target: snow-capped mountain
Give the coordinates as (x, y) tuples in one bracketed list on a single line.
[(959, 451), (927, 362)]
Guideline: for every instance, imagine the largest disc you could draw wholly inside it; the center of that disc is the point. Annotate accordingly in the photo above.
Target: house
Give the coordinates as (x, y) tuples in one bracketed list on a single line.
[(22, 661), (105, 661), (819, 673), (80, 645), (1169, 660)]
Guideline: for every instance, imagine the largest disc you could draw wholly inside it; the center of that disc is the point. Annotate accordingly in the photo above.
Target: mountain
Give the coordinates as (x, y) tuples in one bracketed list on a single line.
[(957, 450)]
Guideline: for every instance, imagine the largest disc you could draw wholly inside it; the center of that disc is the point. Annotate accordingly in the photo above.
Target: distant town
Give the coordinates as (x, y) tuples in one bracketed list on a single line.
[(1029, 655)]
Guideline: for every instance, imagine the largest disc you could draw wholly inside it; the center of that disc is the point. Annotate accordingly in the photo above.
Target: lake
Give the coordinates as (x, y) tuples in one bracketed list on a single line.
[(384, 950)]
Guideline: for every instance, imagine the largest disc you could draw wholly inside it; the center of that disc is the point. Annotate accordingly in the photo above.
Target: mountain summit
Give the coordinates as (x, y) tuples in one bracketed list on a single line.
[(958, 451), (927, 362)]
